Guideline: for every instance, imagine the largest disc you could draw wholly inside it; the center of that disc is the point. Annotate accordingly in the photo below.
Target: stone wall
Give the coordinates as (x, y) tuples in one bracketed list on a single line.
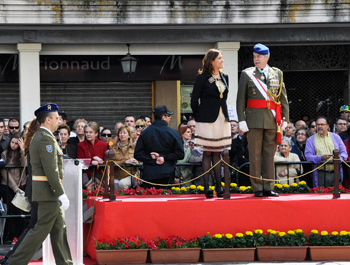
[(199, 12)]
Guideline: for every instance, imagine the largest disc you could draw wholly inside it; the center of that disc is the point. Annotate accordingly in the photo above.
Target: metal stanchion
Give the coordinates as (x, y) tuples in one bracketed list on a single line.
[(227, 176), (336, 161)]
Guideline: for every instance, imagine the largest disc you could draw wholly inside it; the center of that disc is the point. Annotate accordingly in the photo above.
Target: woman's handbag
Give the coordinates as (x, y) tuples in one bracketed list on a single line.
[(20, 200)]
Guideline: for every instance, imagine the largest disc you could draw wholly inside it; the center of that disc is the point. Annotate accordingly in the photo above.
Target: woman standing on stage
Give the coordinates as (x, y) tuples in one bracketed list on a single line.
[(213, 132)]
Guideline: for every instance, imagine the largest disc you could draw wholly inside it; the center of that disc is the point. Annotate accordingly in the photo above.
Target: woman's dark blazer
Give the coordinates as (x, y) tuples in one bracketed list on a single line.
[(209, 96)]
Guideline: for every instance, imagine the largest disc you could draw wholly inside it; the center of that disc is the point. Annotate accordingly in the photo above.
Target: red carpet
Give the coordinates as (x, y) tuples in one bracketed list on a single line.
[(193, 215)]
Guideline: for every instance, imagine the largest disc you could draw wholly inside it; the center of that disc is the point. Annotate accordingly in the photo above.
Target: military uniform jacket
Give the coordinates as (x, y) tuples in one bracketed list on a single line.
[(46, 158), (259, 118), (209, 96)]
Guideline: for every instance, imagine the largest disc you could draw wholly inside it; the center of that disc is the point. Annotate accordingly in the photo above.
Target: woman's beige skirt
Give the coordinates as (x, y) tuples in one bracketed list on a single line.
[(215, 136)]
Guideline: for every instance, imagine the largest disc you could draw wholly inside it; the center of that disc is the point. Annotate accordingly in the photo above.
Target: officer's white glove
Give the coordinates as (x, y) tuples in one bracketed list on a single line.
[(243, 126), (64, 202), (284, 125)]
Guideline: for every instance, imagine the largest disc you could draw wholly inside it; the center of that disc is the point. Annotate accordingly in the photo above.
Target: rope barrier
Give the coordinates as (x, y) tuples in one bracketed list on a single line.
[(151, 183), (221, 160), (273, 180)]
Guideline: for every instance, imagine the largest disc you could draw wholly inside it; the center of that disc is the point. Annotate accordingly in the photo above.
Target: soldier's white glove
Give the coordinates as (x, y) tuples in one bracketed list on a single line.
[(284, 125), (243, 126), (64, 202)]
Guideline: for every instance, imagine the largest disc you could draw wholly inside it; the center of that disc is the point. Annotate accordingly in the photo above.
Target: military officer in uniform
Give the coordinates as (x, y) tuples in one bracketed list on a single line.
[(263, 112), (47, 190)]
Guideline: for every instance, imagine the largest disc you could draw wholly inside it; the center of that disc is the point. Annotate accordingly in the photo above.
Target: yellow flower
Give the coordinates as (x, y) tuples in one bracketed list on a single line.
[(223, 184), (212, 187), (275, 184), (193, 187), (294, 185), (335, 233), (302, 182), (291, 232), (285, 186), (173, 188), (279, 186), (343, 233), (282, 234), (242, 188), (258, 231), (314, 231), (249, 233), (218, 235), (233, 185), (229, 235), (183, 189), (239, 235), (201, 188), (324, 233), (298, 231), (273, 232), (249, 187), (177, 189), (269, 230)]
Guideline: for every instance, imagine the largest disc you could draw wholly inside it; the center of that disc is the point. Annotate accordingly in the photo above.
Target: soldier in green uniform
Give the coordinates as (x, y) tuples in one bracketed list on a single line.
[(47, 191), (263, 112)]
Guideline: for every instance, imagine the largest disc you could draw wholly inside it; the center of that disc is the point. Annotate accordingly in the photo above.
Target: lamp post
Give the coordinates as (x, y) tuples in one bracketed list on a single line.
[(129, 63)]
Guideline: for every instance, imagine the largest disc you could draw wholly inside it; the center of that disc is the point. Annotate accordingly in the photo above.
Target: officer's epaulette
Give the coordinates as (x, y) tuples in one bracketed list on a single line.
[(276, 69), (249, 68)]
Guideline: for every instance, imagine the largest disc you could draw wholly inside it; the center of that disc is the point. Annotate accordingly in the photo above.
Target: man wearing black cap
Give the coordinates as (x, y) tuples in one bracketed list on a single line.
[(159, 147), (263, 112), (47, 190)]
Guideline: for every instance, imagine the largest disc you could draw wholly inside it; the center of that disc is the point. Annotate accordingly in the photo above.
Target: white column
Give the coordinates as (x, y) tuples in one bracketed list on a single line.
[(230, 54), (29, 79)]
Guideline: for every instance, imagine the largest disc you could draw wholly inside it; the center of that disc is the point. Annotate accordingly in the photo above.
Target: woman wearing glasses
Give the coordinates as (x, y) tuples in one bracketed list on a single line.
[(285, 173), (106, 135), (140, 126), (301, 136)]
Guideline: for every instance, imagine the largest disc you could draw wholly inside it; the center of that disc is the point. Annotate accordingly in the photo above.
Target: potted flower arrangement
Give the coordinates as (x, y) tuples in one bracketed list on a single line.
[(282, 246), (300, 187), (130, 250), (329, 246), (175, 249), (228, 248)]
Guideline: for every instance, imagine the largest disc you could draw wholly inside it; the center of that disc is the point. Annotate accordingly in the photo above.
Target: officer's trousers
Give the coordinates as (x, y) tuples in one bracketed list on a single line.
[(50, 221), (261, 146)]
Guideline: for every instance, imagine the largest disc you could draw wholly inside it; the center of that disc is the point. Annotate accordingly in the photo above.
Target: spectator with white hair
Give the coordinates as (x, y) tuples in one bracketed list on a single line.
[(285, 173)]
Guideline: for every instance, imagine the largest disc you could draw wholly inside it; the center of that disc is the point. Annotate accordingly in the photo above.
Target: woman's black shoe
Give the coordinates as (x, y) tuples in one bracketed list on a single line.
[(219, 194), (209, 194)]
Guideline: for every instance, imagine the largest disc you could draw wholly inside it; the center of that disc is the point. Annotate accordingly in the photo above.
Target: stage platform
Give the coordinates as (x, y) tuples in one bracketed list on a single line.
[(194, 215)]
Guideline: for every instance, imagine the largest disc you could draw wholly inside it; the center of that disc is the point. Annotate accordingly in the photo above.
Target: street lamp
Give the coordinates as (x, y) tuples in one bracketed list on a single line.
[(129, 63)]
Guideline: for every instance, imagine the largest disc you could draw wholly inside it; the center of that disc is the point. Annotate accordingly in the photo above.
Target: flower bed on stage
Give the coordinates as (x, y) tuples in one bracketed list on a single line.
[(270, 246), (294, 188)]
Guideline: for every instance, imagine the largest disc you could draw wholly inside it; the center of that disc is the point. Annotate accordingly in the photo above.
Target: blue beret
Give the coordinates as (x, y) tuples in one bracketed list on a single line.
[(261, 49), (162, 109), (46, 108)]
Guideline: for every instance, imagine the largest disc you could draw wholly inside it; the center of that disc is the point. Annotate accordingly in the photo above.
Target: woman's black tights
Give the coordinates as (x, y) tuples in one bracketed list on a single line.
[(208, 158)]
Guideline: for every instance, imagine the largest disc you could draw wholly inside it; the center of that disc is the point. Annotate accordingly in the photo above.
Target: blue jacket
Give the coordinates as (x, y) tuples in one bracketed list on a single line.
[(166, 142)]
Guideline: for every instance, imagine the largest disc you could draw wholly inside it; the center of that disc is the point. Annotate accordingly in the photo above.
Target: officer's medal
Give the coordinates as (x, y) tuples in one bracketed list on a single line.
[(262, 76)]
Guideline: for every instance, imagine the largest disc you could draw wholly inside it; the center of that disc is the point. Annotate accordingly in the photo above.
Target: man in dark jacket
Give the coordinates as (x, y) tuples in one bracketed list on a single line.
[(159, 147)]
